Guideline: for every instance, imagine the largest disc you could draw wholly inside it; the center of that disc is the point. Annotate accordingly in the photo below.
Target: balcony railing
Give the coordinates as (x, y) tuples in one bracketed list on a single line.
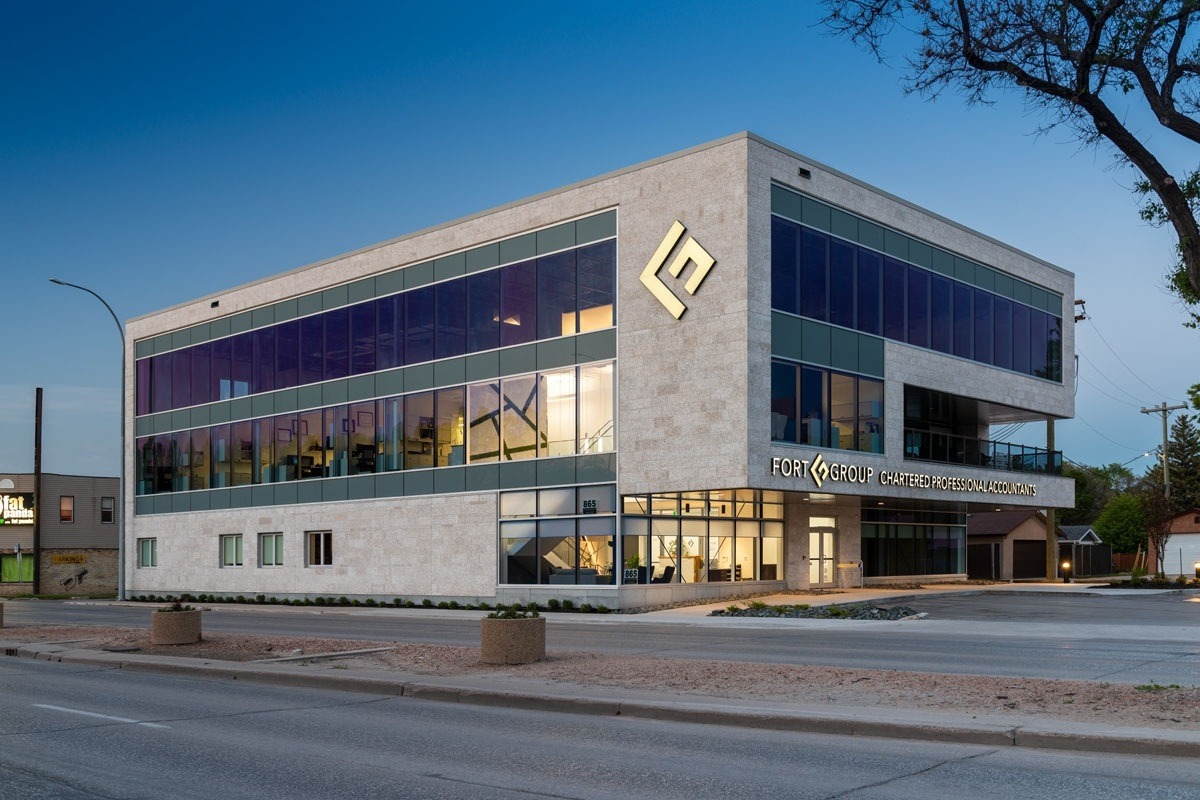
[(944, 448)]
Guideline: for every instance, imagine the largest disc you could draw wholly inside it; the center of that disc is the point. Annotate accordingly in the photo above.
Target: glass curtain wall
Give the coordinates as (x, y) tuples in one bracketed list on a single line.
[(560, 294), (699, 537), (557, 413), (561, 536)]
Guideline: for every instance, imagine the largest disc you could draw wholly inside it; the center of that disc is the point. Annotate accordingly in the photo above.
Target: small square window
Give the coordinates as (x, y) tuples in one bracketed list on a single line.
[(270, 549), (320, 548), (147, 552), (66, 508), (231, 550), (108, 510)]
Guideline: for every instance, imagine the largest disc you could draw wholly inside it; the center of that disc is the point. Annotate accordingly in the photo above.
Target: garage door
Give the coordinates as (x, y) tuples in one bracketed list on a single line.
[(1029, 560), (1182, 551)]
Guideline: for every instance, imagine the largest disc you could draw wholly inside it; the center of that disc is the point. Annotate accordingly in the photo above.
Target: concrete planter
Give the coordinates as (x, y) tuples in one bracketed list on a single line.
[(175, 627), (512, 641)]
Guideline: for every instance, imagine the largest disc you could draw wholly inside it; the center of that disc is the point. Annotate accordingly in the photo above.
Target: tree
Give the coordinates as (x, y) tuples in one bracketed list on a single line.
[(1080, 62), (1121, 523), (1094, 487), (1157, 513), (1183, 460)]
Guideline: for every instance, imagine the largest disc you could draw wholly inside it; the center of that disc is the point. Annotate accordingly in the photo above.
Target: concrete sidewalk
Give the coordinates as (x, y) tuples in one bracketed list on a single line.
[(537, 695)]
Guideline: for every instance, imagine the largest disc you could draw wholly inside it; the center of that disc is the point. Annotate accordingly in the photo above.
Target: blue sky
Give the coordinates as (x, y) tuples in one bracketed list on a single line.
[(157, 152)]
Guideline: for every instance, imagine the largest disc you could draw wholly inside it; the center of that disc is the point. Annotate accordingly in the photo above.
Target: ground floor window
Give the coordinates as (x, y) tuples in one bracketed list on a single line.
[(320, 548), (908, 542), (16, 568), (270, 549), (231, 550), (147, 552), (558, 536), (702, 537)]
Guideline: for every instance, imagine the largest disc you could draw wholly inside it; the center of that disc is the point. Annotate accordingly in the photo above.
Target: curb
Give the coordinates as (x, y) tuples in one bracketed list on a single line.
[(1037, 734)]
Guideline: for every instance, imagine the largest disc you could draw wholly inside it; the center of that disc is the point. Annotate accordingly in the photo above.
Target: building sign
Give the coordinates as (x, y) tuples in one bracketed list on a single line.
[(691, 251), (68, 558), (16, 509), (820, 472)]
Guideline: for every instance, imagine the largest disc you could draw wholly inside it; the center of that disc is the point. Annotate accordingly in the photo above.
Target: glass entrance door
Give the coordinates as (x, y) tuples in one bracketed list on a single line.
[(822, 536)]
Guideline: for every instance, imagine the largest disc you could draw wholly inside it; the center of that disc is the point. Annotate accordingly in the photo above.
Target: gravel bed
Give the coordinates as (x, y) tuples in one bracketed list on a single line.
[(804, 611)]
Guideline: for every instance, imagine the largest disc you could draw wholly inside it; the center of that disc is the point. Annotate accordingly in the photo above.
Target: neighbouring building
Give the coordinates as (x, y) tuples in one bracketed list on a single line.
[(77, 549), (1182, 552), (1008, 545), (725, 371)]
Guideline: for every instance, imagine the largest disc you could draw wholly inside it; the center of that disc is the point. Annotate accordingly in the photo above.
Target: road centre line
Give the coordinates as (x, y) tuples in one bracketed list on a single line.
[(99, 716)]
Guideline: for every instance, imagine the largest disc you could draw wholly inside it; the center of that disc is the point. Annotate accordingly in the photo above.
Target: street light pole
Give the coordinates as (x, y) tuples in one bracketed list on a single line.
[(121, 508)]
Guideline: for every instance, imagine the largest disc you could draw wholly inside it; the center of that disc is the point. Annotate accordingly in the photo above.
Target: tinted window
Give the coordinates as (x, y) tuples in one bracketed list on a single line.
[(287, 355), (869, 266), (556, 295), (939, 313), (1002, 318), (893, 299), (337, 343), (201, 380), (418, 327), (483, 311), (389, 339), (814, 274), (918, 307), (451, 337), (264, 360), (984, 326), (596, 270), (784, 271), (362, 338), (241, 363), (312, 349), (841, 283), (1020, 338), (222, 370), (518, 303), (181, 378), (964, 320)]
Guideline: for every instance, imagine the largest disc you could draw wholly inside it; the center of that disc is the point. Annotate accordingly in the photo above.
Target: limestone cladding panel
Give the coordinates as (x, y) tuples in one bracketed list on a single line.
[(683, 390), (436, 546)]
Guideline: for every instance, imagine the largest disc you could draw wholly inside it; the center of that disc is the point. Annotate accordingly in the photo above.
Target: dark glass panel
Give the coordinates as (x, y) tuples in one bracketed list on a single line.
[(241, 453), (940, 313), (143, 390), (362, 338), (336, 441), (1054, 348), (389, 340), (814, 406), (263, 374), (284, 452), (483, 311), (783, 402), (160, 382), (841, 282), (164, 463), (451, 422), (984, 326), (870, 415), (219, 449), (1039, 342), (418, 430), (814, 274), (418, 329), (964, 320), (312, 349), (360, 425), (1020, 338), (518, 303), (843, 411), (390, 416), (918, 307), (337, 343), (869, 266), (181, 378), (451, 337), (222, 370), (893, 299), (263, 453), (597, 285), (181, 461), (241, 358), (310, 439), (556, 295), (201, 381), (287, 355), (143, 449), (785, 270), (1002, 355)]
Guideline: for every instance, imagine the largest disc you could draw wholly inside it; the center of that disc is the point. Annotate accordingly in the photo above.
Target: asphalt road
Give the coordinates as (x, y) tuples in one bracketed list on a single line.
[(1050, 636), (71, 732)]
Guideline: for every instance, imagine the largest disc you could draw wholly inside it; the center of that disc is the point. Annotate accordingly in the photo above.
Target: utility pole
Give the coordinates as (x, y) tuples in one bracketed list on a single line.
[(1165, 410)]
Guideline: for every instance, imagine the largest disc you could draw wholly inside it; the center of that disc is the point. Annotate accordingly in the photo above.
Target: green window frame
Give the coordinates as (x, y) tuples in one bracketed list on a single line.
[(147, 552), (270, 549)]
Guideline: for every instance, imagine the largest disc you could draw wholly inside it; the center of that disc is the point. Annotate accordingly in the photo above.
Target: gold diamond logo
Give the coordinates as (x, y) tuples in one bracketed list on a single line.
[(819, 470), (691, 251)]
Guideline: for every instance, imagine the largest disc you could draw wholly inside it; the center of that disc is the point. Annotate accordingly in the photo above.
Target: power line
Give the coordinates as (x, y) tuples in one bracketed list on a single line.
[(1106, 438), (1122, 361), (1115, 385), (1109, 396)]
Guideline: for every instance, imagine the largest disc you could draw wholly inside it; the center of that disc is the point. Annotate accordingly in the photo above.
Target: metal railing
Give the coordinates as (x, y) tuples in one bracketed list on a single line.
[(944, 448)]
